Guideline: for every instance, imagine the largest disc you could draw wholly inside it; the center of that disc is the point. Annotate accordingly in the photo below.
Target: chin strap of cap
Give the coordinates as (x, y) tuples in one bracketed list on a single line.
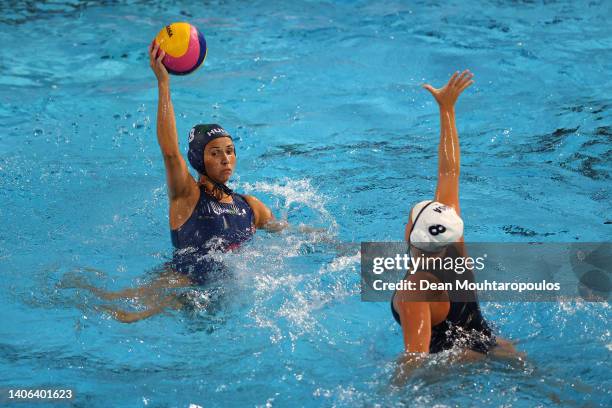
[(219, 186), (414, 223), (223, 188)]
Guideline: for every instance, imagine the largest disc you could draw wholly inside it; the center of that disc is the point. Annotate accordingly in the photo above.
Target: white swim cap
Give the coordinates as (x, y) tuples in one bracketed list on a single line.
[(434, 226)]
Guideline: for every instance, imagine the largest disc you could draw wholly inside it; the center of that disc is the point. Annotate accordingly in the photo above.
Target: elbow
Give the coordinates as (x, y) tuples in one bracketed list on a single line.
[(170, 157)]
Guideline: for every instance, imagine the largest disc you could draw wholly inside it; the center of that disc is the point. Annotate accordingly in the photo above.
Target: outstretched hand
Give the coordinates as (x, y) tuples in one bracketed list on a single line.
[(155, 61), (448, 94)]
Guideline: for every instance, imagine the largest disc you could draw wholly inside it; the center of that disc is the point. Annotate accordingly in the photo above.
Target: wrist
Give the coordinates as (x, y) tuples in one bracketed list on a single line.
[(447, 108), (163, 83)]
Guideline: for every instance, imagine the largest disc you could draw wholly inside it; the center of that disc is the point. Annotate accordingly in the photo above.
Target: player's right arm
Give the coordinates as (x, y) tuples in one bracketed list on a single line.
[(415, 316), (449, 154), (180, 182)]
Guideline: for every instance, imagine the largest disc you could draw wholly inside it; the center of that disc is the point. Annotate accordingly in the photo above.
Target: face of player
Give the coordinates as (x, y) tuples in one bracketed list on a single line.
[(220, 159)]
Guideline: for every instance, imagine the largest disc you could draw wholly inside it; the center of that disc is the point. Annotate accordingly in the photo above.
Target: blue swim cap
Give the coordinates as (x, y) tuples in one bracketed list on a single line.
[(199, 137)]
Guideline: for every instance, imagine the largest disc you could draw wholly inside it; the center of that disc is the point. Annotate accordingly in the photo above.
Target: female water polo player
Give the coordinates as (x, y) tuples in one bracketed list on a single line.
[(205, 214), (433, 321)]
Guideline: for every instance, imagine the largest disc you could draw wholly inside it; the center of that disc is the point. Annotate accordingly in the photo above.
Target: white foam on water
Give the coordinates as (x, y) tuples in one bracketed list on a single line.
[(344, 395), (273, 270), (293, 192)]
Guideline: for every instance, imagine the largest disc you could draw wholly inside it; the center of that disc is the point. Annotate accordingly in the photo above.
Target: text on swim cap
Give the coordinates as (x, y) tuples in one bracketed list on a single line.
[(169, 30), (440, 208), (216, 131)]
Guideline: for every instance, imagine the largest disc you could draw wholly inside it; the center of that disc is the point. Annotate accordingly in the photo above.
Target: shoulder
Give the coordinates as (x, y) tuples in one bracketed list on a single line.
[(417, 293), (182, 207), (422, 303), (261, 212), (253, 202)]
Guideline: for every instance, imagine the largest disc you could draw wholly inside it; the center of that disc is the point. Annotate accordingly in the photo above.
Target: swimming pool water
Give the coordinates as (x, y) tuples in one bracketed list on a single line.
[(333, 130)]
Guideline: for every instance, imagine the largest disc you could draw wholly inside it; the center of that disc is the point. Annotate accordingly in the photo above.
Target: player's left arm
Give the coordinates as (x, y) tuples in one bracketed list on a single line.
[(264, 219)]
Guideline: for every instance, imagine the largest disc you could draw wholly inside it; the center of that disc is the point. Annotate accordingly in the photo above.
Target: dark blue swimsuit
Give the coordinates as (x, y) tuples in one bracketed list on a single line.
[(212, 226), (464, 325)]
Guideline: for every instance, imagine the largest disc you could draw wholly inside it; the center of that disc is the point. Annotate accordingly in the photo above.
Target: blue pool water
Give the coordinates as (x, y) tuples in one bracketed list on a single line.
[(333, 131)]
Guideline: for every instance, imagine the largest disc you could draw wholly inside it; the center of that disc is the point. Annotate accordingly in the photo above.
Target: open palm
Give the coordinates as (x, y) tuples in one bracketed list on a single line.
[(448, 94)]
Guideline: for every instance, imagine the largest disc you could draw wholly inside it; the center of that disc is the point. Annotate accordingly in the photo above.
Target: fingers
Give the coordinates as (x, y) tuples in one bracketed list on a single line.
[(466, 85), (161, 56), (153, 47), (155, 54), (463, 79), (453, 79), (430, 88)]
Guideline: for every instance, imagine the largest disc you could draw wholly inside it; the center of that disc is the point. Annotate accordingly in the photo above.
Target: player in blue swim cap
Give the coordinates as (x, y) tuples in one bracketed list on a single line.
[(205, 214)]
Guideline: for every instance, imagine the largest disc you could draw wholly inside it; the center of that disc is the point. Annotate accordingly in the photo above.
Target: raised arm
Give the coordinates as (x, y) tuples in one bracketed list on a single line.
[(180, 182), (449, 154)]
